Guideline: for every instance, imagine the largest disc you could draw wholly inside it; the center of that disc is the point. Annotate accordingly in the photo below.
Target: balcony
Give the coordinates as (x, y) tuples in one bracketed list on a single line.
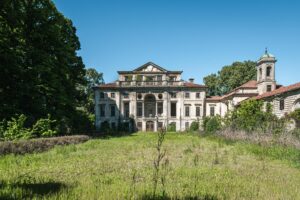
[(149, 83)]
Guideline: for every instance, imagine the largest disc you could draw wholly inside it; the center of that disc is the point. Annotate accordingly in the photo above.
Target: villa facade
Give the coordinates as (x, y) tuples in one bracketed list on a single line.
[(150, 97)]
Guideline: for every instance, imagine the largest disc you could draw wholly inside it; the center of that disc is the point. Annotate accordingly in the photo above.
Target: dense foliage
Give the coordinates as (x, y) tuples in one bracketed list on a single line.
[(230, 77), (15, 129), (212, 124), (40, 71), (194, 126)]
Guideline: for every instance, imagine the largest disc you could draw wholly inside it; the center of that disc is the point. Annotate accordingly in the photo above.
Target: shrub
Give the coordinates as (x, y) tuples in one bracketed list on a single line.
[(43, 127), (38, 145), (172, 127), (212, 124), (295, 115), (15, 129), (194, 126)]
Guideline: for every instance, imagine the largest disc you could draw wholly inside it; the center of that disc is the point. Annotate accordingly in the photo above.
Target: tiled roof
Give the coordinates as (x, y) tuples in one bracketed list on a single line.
[(249, 84), (280, 91), (193, 85), (214, 98), (107, 85)]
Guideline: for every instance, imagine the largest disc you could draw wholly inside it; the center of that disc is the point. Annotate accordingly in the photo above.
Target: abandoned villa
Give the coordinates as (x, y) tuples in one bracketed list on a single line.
[(150, 97)]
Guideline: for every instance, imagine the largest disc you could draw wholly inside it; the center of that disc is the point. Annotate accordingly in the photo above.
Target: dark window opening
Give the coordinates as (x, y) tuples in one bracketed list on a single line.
[(159, 108), (212, 111), (187, 95), (197, 111), (101, 95), (281, 104), (187, 111), (112, 95), (102, 110), (269, 69), (126, 109), (139, 109), (198, 95), (187, 126), (269, 88), (140, 126), (173, 109), (112, 110)]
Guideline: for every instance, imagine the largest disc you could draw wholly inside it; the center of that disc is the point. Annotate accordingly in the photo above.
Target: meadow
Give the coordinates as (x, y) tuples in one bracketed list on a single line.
[(194, 167)]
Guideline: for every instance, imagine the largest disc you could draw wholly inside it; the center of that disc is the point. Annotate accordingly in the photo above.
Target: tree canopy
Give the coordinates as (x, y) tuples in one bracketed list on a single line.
[(230, 77), (40, 71)]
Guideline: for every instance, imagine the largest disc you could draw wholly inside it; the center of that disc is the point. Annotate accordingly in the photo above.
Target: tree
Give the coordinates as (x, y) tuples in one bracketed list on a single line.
[(230, 77), (40, 71)]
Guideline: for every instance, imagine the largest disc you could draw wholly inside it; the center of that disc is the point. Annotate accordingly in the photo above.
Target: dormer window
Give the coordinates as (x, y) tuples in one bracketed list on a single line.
[(269, 69)]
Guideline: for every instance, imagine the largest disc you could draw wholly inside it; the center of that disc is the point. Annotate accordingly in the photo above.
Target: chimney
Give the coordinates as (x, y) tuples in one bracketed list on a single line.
[(191, 80)]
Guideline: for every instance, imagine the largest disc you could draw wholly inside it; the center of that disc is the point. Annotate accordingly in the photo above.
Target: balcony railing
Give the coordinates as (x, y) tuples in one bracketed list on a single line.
[(149, 83)]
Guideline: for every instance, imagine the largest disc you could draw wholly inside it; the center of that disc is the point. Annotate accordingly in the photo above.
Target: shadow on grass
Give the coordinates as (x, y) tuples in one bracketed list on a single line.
[(205, 197), (25, 190)]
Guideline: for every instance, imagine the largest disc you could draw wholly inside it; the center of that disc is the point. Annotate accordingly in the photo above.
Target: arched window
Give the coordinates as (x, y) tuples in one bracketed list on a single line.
[(269, 69), (260, 74)]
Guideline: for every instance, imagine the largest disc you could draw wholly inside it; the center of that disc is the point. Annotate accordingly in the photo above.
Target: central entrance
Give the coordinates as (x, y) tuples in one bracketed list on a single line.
[(150, 105), (150, 126)]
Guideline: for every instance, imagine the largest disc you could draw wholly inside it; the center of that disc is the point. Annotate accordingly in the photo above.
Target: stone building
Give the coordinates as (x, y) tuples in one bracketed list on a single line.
[(148, 98), (151, 97)]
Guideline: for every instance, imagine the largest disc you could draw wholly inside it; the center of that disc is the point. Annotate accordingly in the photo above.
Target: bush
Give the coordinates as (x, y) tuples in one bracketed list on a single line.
[(194, 126), (38, 145), (295, 115), (212, 124), (43, 127), (172, 127), (15, 129)]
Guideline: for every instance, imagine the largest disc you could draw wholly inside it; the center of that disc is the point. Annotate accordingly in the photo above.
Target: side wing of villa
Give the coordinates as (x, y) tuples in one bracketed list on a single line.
[(150, 97)]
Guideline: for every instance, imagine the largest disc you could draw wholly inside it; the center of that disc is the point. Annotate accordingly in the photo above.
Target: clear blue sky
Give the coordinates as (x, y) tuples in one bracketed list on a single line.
[(196, 36)]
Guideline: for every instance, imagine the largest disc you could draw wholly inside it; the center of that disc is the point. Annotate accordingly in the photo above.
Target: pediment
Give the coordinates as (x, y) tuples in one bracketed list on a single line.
[(150, 67)]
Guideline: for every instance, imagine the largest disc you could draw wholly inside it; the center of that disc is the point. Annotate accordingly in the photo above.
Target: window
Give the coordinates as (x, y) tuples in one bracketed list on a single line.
[(260, 73), (173, 94), (269, 69), (126, 109), (139, 126), (173, 109), (160, 96), (112, 95), (113, 125), (101, 95), (187, 95), (212, 111), (198, 111), (125, 95), (187, 126), (172, 78), (139, 96), (198, 95), (112, 110), (187, 111), (102, 110), (139, 106), (269, 88), (281, 104), (159, 78), (159, 108)]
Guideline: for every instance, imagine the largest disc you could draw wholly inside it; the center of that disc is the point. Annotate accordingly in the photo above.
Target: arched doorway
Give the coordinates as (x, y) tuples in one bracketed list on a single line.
[(150, 105), (149, 126), (296, 104)]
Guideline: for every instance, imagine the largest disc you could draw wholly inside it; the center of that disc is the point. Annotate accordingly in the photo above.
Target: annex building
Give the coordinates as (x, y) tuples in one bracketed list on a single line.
[(150, 97)]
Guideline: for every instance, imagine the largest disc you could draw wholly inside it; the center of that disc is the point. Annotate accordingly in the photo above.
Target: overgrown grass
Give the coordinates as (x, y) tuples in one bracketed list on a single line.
[(122, 168)]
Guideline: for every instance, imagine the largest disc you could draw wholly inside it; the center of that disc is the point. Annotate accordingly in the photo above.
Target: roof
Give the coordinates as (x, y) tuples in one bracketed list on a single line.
[(214, 98), (185, 84), (193, 85), (267, 55), (139, 69), (252, 84), (249, 84), (279, 91)]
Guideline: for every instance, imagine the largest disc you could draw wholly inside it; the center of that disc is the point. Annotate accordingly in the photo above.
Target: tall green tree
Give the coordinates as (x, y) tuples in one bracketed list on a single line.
[(40, 71), (230, 77)]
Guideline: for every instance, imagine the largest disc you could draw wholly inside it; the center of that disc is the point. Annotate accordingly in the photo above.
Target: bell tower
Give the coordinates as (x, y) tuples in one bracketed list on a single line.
[(266, 81)]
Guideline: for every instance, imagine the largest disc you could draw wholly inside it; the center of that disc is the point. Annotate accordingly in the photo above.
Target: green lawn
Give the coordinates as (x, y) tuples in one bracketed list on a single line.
[(122, 168)]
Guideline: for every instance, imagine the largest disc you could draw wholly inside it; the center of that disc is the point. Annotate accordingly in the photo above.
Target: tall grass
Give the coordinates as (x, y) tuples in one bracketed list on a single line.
[(122, 168)]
